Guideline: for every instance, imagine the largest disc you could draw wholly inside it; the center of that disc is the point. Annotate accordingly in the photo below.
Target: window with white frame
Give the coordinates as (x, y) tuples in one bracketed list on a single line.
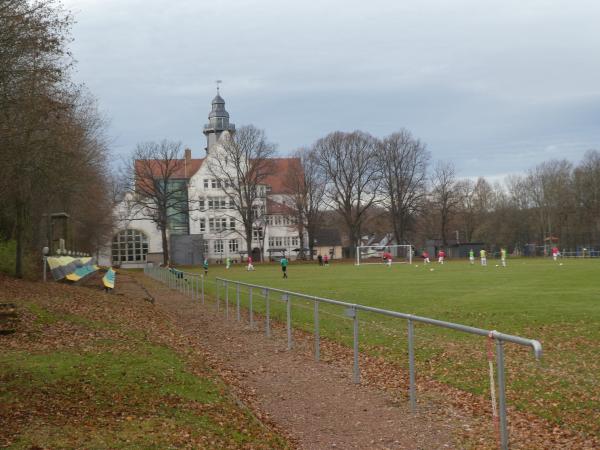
[(206, 183), (201, 204), (202, 223), (218, 246), (233, 245), (295, 242), (257, 234), (205, 247), (129, 246), (213, 184), (231, 223)]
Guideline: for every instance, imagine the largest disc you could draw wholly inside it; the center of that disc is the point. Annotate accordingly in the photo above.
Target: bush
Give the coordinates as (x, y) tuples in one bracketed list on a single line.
[(8, 252)]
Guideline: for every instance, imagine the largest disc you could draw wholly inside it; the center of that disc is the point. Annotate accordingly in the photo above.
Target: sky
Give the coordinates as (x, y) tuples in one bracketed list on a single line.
[(493, 86)]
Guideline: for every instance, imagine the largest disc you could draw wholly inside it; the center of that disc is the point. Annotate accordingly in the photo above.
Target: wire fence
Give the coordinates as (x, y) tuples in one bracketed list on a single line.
[(262, 304)]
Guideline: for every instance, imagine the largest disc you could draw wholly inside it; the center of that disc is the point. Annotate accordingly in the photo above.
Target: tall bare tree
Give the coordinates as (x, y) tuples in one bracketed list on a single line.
[(586, 179), (241, 165), (551, 193), (349, 164), (157, 187), (305, 187), (475, 202), (444, 195), (403, 161), (53, 147)]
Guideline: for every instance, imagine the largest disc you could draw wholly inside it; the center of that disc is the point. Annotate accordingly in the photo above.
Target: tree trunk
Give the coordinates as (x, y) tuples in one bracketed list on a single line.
[(301, 254), (311, 245), (249, 242), (19, 235), (444, 226), (165, 246)]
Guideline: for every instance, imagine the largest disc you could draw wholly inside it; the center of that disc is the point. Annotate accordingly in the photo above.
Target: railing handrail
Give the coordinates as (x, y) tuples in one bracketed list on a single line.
[(195, 289), (534, 344)]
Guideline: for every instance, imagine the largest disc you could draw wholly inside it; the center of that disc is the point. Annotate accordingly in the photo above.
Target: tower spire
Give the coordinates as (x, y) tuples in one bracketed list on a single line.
[(218, 120)]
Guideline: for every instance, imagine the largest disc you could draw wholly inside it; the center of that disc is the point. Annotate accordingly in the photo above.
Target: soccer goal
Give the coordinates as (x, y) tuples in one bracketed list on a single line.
[(373, 254)]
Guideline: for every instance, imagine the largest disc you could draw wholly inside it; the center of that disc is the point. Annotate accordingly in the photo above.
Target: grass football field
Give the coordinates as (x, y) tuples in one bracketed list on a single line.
[(557, 304)]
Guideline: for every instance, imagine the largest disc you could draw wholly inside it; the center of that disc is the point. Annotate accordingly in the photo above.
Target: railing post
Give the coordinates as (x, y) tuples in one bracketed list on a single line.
[(501, 395), (317, 336), (237, 295), (288, 307), (251, 312), (412, 393), (356, 371), (227, 300), (202, 286), (267, 313), (218, 295)]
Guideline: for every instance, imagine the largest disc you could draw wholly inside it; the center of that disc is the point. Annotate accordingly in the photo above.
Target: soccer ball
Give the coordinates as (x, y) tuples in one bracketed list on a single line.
[(417, 265), (497, 265), (431, 270), (560, 264)]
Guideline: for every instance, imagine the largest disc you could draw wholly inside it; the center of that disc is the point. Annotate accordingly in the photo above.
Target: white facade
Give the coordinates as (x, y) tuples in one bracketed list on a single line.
[(211, 214)]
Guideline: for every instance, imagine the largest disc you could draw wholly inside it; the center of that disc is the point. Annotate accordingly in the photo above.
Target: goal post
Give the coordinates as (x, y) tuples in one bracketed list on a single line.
[(373, 254)]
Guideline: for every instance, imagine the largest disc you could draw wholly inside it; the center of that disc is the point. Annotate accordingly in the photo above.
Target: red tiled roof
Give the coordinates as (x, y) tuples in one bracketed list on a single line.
[(274, 207), (182, 170), (281, 169)]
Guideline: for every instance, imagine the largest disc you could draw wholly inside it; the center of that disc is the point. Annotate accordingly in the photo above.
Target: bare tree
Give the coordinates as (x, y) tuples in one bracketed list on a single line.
[(305, 187), (475, 202), (444, 195), (241, 166), (403, 161), (33, 92), (550, 189), (349, 165), (586, 179), (157, 187)]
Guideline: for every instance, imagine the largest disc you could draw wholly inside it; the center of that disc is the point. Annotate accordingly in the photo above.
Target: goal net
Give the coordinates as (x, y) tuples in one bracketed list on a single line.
[(374, 254)]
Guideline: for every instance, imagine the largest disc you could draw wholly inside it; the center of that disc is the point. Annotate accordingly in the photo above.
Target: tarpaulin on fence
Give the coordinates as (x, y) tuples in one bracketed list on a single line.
[(72, 269), (109, 279)]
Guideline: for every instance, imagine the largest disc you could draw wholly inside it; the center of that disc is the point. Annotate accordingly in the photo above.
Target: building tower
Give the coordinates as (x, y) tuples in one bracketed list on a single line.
[(218, 121)]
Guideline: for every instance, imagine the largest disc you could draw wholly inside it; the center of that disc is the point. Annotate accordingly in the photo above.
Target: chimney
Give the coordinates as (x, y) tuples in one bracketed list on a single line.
[(186, 161)]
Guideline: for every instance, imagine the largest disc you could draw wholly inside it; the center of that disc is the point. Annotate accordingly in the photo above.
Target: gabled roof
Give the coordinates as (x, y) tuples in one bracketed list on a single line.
[(274, 207), (328, 237), (280, 172), (182, 169)]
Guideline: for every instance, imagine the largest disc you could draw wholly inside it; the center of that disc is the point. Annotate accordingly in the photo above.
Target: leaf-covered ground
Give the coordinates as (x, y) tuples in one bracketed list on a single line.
[(87, 370), (559, 304)]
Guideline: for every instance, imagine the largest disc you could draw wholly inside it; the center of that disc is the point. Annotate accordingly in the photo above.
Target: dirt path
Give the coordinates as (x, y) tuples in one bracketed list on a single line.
[(315, 402)]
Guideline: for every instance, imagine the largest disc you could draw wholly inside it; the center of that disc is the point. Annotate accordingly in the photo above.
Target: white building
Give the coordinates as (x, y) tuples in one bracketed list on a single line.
[(211, 216)]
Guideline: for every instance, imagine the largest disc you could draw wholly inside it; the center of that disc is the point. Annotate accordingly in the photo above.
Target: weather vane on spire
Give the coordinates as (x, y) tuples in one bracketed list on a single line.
[(218, 83)]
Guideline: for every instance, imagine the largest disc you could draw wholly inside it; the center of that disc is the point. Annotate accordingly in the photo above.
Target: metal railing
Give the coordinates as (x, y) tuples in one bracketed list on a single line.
[(351, 311)]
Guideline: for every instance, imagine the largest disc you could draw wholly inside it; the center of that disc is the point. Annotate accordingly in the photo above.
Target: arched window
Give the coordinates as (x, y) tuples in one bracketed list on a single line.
[(129, 246)]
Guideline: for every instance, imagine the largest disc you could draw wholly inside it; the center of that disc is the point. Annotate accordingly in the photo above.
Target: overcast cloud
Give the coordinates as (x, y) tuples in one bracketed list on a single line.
[(495, 86)]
